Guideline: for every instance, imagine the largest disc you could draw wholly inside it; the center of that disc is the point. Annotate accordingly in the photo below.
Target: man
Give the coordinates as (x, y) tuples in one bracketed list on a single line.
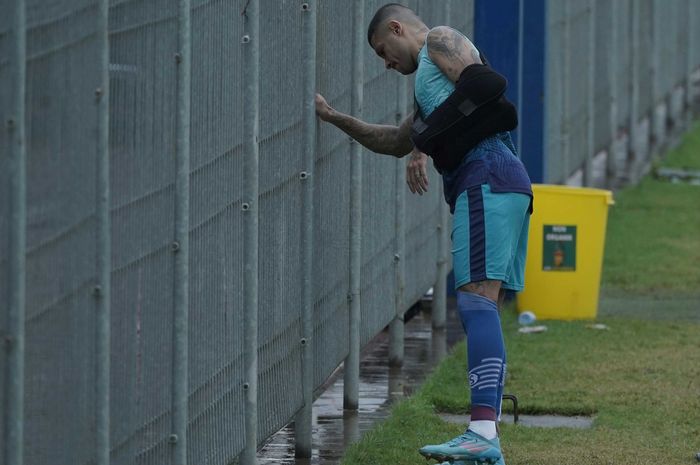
[(461, 121)]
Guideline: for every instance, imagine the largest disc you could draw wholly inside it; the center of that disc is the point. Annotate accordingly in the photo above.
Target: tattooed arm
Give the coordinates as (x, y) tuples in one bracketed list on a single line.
[(451, 51), (379, 138)]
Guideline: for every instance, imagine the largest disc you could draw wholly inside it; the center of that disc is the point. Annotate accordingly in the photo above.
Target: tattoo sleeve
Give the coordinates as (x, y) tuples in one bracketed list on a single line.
[(379, 138), (451, 51)]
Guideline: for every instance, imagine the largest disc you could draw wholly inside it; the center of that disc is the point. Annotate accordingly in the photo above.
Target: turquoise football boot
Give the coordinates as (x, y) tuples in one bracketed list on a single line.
[(468, 447)]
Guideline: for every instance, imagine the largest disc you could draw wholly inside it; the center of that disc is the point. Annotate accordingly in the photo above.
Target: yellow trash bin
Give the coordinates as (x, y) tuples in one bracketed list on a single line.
[(565, 252)]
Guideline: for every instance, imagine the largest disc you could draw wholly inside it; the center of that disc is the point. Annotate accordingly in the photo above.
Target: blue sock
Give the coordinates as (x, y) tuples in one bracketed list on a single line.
[(485, 352)]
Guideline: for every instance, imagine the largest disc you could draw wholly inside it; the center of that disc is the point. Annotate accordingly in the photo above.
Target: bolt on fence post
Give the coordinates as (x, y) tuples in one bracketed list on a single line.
[(103, 259), (178, 447), (14, 342), (251, 64), (351, 383), (396, 327), (590, 101), (302, 423)]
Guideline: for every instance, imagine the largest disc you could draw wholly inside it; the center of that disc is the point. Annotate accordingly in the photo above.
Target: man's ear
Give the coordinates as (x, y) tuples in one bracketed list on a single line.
[(395, 27)]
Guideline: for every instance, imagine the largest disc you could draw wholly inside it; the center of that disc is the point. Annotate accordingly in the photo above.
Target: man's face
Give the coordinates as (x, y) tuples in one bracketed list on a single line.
[(391, 45)]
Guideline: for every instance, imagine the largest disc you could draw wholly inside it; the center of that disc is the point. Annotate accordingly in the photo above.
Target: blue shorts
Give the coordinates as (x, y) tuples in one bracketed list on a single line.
[(489, 237)]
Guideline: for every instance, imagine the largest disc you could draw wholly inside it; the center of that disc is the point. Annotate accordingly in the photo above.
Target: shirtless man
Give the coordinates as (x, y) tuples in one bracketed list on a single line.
[(485, 184)]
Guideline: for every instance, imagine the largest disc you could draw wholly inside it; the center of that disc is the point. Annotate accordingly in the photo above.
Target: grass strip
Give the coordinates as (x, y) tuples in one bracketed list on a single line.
[(653, 235)]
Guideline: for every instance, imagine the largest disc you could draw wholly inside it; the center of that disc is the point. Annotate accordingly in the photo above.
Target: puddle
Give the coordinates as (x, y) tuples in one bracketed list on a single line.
[(334, 429)]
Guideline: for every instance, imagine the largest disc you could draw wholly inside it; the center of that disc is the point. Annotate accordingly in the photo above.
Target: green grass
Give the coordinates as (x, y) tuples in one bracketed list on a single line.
[(686, 155), (653, 236), (640, 379)]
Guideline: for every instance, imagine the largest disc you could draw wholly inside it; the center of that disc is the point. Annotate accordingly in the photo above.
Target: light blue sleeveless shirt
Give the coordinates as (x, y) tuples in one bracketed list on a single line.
[(432, 85)]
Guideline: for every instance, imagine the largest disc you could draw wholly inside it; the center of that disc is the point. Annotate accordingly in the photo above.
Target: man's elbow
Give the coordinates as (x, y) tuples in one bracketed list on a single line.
[(400, 152)]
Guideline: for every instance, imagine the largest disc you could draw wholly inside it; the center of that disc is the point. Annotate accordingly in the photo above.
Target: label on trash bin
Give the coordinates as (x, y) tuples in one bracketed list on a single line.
[(559, 248)]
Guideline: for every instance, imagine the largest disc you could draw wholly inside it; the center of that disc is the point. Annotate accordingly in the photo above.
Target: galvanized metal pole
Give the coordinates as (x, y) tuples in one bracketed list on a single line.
[(351, 384), (439, 311), (302, 423), (634, 105), (104, 251), (14, 341), (690, 55), (566, 96), (610, 162), (251, 64), (439, 308), (396, 327), (590, 103), (657, 126), (178, 438)]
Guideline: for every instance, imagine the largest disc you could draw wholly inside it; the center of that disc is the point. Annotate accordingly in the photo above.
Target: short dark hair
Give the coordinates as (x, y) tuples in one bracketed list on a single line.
[(384, 13)]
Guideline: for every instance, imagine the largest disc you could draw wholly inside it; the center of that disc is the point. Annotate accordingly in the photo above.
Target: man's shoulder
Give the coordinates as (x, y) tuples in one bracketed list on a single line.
[(441, 32)]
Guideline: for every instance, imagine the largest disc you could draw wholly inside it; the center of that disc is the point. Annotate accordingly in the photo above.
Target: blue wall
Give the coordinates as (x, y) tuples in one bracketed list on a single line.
[(498, 28)]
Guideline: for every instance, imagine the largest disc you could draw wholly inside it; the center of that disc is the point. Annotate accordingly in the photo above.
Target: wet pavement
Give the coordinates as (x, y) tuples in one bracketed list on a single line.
[(335, 429)]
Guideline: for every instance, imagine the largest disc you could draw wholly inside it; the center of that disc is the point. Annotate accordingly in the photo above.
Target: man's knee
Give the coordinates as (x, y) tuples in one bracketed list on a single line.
[(489, 288)]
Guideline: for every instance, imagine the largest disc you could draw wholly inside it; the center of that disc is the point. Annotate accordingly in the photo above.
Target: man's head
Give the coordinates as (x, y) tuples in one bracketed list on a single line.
[(396, 34)]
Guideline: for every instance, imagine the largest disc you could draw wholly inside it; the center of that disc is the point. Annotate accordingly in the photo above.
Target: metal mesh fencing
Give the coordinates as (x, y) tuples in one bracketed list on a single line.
[(644, 53), (216, 372), (61, 122), (143, 81), (332, 195), (280, 220)]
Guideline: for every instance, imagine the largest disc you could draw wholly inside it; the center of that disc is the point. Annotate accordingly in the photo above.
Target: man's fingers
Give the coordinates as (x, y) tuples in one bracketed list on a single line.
[(423, 179), (413, 183)]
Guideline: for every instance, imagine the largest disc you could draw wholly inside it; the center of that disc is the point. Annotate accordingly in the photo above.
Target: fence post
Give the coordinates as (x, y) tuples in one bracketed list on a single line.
[(690, 55), (103, 260), (14, 340), (439, 307), (178, 436), (565, 97), (251, 64), (634, 106), (610, 162), (590, 110), (657, 129), (396, 328), (439, 311), (351, 384), (302, 423)]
